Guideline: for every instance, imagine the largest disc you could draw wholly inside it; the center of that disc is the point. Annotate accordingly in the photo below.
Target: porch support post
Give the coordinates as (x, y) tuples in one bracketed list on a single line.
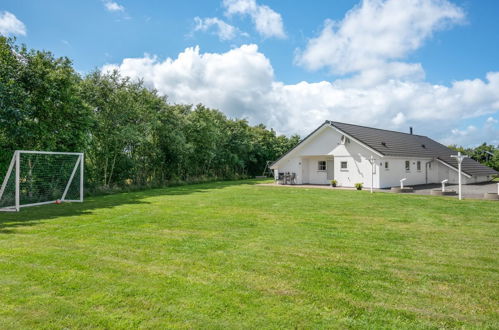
[(372, 160)]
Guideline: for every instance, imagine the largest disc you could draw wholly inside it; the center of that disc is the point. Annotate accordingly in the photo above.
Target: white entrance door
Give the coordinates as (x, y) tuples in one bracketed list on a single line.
[(330, 169)]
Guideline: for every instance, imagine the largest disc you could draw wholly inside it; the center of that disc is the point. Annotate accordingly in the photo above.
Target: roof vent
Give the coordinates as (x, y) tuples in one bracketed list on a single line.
[(423, 146), (383, 144), (410, 130)]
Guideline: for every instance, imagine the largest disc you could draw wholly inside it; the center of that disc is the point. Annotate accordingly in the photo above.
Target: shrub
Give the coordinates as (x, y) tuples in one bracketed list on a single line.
[(334, 183), (359, 185)]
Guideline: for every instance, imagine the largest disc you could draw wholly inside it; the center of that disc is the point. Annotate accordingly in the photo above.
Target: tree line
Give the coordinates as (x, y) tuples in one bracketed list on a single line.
[(487, 154), (131, 135)]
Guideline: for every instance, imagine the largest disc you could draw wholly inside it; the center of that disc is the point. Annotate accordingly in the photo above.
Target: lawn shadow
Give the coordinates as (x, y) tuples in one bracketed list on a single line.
[(31, 216)]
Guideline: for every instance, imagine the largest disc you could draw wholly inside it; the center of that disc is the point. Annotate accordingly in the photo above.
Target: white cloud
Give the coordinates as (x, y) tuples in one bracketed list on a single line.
[(473, 136), (267, 22), (399, 119), (11, 25), (370, 43), (227, 81), (113, 6), (223, 30), (241, 83), (377, 33), (491, 121)]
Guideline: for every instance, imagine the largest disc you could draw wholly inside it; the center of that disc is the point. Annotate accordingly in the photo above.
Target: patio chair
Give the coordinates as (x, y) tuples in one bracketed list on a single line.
[(287, 177)]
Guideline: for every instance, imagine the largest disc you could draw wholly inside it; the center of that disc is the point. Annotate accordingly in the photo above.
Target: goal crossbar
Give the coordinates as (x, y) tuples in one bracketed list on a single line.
[(25, 179)]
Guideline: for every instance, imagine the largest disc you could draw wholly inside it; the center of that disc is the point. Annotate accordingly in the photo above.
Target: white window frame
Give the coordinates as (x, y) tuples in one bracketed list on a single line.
[(346, 165), (387, 166), (407, 165), (418, 166), (321, 166)]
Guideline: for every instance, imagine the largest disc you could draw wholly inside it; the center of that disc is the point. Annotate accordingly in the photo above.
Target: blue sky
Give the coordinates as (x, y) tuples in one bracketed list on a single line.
[(311, 59)]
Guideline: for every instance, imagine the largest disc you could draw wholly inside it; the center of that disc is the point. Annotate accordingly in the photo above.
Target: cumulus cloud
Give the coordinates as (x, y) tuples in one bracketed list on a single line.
[(374, 35), (223, 30), (113, 6), (229, 81), (267, 22), (491, 121), (11, 25), (241, 83), (369, 45), (472, 135)]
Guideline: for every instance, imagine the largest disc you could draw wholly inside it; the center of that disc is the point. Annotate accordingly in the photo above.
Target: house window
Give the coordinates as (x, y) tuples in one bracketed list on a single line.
[(344, 166), (407, 165), (418, 166), (387, 166), (321, 165)]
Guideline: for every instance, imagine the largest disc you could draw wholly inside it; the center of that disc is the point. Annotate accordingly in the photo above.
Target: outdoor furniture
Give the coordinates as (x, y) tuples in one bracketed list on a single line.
[(280, 178), (286, 178)]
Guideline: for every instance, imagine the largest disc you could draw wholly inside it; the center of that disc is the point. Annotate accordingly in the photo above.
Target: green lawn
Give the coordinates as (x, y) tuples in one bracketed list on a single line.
[(238, 255)]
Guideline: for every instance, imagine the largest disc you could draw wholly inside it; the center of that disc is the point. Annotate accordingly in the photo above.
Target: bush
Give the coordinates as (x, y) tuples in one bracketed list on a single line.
[(359, 186), (334, 183)]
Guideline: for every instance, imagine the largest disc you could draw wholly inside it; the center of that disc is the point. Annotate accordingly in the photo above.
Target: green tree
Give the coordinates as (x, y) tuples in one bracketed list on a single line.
[(130, 134), (41, 107)]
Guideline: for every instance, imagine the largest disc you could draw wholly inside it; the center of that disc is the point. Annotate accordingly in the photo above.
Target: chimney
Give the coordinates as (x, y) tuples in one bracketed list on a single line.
[(410, 130)]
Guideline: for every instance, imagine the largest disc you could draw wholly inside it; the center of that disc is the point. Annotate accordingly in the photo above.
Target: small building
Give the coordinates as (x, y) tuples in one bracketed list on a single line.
[(353, 154)]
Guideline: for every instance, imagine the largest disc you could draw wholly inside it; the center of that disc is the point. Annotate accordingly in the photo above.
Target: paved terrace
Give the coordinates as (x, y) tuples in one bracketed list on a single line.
[(473, 191)]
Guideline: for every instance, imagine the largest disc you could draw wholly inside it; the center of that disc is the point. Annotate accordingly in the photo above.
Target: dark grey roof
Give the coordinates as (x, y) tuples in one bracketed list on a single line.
[(398, 144)]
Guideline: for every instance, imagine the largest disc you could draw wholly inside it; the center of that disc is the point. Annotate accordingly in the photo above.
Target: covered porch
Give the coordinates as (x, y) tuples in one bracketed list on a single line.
[(316, 169)]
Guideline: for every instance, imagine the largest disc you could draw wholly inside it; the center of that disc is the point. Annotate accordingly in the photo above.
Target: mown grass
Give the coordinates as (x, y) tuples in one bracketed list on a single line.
[(238, 255)]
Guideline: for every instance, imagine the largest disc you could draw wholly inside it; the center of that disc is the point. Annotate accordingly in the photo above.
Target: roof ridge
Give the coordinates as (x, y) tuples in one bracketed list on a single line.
[(379, 129)]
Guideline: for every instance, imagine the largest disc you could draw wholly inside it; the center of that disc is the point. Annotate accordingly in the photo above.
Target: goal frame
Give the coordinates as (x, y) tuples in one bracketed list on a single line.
[(15, 166)]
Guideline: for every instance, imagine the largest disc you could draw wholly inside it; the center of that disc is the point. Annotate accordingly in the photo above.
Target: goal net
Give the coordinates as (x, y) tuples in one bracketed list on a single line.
[(42, 177)]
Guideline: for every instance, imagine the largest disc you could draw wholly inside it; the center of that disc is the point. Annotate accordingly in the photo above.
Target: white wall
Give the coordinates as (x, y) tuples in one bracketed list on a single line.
[(437, 172), (358, 165), (303, 160), (477, 179), (445, 172), (396, 171), (314, 175), (290, 164), (325, 144), (324, 141)]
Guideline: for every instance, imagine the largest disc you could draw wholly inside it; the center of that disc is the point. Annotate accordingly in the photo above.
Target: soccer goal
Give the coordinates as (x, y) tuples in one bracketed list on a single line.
[(42, 177)]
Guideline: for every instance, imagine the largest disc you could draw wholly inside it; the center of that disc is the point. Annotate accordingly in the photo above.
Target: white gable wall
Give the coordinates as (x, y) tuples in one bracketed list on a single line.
[(358, 166), (322, 143), (325, 145)]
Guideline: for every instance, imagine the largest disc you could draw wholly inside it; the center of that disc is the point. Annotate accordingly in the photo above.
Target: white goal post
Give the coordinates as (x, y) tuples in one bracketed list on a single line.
[(42, 177)]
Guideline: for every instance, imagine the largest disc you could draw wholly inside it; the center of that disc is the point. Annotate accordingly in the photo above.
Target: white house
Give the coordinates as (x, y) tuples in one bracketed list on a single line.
[(357, 154)]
